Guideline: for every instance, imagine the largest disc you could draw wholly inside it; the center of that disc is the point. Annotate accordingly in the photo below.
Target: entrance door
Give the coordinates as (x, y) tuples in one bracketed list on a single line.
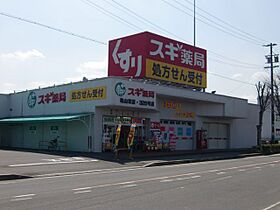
[(123, 137)]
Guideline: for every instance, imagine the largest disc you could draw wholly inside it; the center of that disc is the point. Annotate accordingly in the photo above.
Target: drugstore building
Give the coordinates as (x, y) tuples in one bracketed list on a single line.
[(156, 86)]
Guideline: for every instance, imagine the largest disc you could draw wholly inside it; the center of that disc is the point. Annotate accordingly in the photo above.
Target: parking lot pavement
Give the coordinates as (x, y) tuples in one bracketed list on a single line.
[(32, 162), (39, 163)]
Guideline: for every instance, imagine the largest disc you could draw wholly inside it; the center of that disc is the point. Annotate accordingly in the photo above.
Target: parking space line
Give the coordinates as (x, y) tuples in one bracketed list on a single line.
[(272, 206)]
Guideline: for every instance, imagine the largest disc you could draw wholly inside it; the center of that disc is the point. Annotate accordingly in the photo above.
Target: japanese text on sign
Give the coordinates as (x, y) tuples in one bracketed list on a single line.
[(176, 74), (52, 98), (185, 114), (88, 94), (125, 60), (137, 102), (172, 105), (141, 92), (178, 53)]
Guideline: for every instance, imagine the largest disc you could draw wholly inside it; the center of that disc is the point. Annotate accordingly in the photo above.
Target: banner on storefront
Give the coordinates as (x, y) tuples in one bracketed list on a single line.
[(88, 94), (130, 138), (118, 134)]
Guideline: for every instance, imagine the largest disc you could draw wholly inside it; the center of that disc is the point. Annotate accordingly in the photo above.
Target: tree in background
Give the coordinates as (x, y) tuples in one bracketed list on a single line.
[(263, 90), (277, 93)]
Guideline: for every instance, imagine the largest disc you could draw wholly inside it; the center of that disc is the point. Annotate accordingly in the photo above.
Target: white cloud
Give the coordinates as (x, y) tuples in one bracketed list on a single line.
[(236, 76), (259, 76), (8, 84), (23, 56), (250, 98), (94, 68), (37, 84), (90, 70)]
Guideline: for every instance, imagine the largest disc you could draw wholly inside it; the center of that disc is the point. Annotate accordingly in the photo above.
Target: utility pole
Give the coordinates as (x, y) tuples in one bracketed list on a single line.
[(270, 61)]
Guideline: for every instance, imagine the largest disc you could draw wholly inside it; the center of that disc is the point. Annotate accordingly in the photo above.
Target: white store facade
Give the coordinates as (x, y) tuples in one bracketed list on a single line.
[(81, 113)]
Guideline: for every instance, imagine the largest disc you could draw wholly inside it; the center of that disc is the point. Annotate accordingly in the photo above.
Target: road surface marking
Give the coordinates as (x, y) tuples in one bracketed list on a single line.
[(212, 171), (51, 163), (272, 206), (222, 178), (21, 199), (81, 192), (186, 178), (130, 185), (167, 180), (125, 169), (82, 188), (241, 170), (26, 195), (220, 173)]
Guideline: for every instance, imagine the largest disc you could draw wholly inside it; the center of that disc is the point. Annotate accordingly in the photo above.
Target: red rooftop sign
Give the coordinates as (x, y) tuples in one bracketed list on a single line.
[(147, 55)]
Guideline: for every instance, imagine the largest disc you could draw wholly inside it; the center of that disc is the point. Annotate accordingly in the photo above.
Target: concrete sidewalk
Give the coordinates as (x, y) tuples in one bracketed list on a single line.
[(33, 163)]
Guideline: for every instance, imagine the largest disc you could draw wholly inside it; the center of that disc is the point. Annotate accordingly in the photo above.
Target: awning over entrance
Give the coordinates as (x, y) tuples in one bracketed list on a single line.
[(42, 118)]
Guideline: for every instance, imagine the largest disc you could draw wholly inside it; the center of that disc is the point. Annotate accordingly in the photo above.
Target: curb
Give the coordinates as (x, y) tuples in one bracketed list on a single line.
[(183, 161)]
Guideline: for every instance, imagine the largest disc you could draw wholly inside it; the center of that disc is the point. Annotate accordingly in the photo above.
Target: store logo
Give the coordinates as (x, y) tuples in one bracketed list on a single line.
[(31, 99), (120, 89)]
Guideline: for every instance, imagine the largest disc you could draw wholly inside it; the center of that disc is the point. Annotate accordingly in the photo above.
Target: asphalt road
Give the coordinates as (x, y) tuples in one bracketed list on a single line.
[(249, 183)]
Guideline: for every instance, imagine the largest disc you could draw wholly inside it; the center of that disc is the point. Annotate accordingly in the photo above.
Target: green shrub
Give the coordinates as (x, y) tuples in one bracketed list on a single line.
[(271, 148)]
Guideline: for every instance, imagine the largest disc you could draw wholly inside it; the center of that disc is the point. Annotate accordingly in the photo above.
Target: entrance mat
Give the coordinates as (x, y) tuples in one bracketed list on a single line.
[(5, 177)]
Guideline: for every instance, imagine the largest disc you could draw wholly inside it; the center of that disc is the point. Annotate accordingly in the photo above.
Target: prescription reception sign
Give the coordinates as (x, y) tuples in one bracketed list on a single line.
[(147, 55)]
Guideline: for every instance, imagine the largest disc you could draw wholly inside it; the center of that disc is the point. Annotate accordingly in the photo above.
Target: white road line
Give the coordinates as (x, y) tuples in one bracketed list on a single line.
[(82, 188), (25, 195), (51, 163), (241, 170), (130, 185), (81, 192), (220, 173), (212, 171), (21, 199), (167, 180), (187, 178), (194, 177), (272, 206), (222, 178)]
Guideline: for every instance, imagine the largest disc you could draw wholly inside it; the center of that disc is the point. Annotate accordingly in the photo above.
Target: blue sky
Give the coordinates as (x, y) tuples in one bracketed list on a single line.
[(32, 56)]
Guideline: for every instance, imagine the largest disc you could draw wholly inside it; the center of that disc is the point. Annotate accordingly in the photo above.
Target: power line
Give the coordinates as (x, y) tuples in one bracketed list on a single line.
[(116, 17), (213, 26), (235, 80), (235, 65), (138, 17), (220, 25), (52, 28), (89, 39), (226, 23), (129, 11), (232, 59)]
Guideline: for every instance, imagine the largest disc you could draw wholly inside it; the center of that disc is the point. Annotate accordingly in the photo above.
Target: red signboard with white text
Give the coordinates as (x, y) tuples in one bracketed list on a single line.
[(147, 55)]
